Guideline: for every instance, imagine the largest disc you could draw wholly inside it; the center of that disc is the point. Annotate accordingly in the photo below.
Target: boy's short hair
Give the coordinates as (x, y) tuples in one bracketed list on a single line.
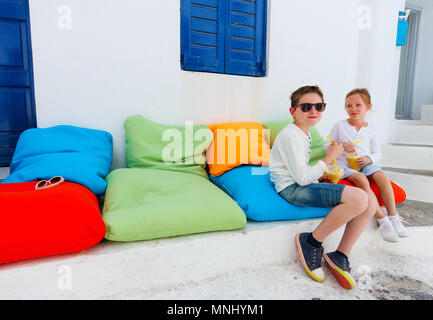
[(296, 95), (363, 92)]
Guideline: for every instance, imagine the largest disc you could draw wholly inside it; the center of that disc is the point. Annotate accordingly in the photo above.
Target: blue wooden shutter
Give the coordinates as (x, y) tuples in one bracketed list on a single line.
[(202, 35), (17, 109), (245, 47)]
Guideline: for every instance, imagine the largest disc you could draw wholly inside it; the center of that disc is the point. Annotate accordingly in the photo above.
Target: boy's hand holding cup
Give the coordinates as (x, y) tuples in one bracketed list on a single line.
[(348, 147), (334, 150)]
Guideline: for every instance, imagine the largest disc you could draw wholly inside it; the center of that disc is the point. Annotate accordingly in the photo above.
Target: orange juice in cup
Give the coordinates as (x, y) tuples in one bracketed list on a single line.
[(334, 175), (352, 159)]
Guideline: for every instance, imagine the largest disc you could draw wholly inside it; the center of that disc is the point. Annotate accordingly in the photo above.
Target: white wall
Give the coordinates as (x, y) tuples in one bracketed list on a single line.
[(122, 58), (378, 63), (423, 88)]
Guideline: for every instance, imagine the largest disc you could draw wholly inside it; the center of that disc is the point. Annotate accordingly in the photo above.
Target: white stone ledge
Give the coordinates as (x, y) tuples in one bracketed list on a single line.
[(113, 269)]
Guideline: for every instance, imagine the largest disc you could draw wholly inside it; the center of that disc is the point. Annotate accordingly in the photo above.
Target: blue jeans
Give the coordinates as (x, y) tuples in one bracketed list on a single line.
[(324, 195)]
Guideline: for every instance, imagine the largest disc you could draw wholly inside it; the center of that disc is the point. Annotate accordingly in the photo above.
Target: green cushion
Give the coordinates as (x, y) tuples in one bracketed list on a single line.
[(317, 141), (143, 204), (166, 147)]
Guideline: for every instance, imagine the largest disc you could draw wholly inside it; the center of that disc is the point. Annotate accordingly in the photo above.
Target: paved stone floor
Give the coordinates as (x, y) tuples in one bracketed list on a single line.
[(416, 213)]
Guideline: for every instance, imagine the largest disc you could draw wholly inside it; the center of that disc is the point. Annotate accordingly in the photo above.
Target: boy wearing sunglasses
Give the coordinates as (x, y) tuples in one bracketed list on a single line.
[(298, 183)]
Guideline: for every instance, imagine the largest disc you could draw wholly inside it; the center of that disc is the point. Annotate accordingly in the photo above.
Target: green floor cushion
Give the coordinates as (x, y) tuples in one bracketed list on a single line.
[(166, 147), (317, 141), (143, 204)]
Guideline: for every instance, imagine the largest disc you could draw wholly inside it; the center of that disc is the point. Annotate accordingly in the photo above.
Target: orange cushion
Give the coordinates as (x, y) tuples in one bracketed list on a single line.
[(399, 193), (61, 219), (235, 144)]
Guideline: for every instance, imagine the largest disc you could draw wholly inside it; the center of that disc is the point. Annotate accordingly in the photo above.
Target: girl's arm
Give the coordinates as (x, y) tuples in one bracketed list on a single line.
[(333, 135), (297, 163), (375, 153)]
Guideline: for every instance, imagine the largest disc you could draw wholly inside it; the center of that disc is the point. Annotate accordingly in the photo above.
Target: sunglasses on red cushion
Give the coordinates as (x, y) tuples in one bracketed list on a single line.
[(306, 107), (43, 184)]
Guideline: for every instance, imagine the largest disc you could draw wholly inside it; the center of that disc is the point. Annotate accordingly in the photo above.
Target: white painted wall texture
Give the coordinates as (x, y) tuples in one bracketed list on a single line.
[(122, 58)]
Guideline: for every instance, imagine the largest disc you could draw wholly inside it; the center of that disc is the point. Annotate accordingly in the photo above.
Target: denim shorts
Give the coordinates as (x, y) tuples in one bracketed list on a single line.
[(324, 195), (368, 170)]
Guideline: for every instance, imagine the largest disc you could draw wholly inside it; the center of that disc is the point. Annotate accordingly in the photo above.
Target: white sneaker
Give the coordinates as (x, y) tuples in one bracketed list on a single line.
[(397, 223), (387, 231)]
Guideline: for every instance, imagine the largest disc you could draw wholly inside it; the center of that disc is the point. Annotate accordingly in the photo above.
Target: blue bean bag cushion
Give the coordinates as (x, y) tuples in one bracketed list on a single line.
[(79, 155), (251, 188)]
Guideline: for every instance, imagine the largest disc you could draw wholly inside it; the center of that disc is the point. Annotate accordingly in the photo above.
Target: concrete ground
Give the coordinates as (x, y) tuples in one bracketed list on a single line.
[(379, 275)]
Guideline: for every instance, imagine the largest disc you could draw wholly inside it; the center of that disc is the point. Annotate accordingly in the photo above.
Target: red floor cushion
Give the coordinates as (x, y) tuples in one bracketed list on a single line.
[(399, 193), (37, 223)]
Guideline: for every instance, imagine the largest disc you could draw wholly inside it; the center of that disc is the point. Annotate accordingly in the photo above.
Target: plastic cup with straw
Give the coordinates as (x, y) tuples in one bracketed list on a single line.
[(335, 160), (356, 143)]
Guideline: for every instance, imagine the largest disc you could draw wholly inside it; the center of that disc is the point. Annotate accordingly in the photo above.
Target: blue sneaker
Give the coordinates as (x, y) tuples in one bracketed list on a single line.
[(311, 257), (340, 268)]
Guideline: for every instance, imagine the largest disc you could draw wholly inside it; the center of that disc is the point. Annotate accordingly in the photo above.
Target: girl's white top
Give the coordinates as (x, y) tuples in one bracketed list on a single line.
[(288, 163), (342, 131)]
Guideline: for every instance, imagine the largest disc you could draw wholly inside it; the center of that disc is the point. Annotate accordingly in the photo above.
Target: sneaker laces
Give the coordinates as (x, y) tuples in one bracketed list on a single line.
[(346, 265), (399, 219), (315, 251)]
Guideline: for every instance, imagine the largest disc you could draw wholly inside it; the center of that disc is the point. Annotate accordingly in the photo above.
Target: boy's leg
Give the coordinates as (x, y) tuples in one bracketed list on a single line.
[(386, 191), (354, 202), (355, 226), (361, 181)]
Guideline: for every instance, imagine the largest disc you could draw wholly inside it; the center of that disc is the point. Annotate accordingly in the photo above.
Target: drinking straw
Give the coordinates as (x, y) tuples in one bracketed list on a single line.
[(354, 144), (330, 140), (336, 168)]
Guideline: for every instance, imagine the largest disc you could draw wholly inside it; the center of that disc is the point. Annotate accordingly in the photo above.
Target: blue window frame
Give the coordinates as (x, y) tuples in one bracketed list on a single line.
[(224, 36)]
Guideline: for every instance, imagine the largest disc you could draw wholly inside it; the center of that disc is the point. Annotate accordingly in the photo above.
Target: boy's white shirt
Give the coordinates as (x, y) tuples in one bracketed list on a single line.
[(288, 163), (342, 131)]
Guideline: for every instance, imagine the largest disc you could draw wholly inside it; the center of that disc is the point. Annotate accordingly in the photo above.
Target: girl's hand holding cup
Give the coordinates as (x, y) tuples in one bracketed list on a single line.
[(364, 161)]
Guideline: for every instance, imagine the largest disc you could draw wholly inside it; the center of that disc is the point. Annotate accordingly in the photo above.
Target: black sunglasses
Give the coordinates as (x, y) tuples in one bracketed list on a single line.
[(306, 107)]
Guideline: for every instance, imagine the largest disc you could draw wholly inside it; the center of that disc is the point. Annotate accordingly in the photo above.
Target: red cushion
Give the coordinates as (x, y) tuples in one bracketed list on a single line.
[(61, 219), (399, 193)]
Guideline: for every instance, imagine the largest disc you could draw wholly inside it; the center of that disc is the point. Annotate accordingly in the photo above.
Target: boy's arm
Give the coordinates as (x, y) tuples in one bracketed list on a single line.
[(297, 164)]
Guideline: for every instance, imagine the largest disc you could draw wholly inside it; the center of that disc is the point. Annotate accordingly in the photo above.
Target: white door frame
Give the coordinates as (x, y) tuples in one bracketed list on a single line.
[(408, 58)]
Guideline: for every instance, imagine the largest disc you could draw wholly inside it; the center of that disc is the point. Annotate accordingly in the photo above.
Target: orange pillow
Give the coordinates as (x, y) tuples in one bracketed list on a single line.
[(235, 144)]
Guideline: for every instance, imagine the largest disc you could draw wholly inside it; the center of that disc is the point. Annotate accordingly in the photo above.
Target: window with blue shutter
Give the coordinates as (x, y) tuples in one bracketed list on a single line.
[(224, 36)]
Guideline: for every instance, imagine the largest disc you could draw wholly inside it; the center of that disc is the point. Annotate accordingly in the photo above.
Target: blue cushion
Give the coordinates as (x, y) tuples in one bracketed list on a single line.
[(255, 194), (79, 155)]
